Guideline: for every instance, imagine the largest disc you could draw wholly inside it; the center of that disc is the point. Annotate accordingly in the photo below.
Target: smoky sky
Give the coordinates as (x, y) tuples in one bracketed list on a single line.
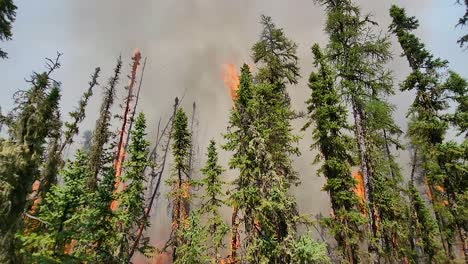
[(187, 42)]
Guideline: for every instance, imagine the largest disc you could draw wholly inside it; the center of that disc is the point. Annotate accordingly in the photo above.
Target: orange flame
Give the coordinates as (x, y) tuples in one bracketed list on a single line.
[(231, 80), (359, 190), (162, 258)]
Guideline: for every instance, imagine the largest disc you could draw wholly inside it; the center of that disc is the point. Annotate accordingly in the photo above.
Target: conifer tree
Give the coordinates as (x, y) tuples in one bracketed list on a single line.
[(20, 157), (359, 55), (277, 56), (79, 114), (99, 241), (102, 131), (261, 138), (7, 17), (179, 181), (129, 214), (238, 138), (60, 214), (329, 116), (429, 124), (463, 22), (193, 249), (212, 201)]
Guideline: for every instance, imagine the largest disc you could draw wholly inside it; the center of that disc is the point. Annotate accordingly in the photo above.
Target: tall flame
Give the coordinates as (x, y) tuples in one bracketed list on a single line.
[(231, 79), (359, 190)]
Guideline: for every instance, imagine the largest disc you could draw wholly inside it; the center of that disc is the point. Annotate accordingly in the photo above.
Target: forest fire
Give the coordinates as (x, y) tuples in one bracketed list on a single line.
[(231, 79)]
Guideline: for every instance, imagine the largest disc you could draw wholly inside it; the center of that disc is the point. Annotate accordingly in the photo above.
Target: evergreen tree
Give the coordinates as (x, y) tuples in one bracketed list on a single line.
[(60, 214), (99, 241), (79, 114), (179, 181), (212, 201), (32, 123), (129, 214), (193, 249), (238, 138), (329, 116), (7, 17), (277, 56), (429, 124), (102, 131), (359, 56), (463, 21)]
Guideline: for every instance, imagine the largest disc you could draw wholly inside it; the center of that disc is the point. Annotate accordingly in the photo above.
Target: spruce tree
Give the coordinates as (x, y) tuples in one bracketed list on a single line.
[(276, 55), (463, 21), (359, 56), (79, 114), (102, 131), (129, 214), (429, 124), (193, 249), (32, 123), (180, 182), (238, 138), (328, 114), (60, 214), (7, 17), (212, 201)]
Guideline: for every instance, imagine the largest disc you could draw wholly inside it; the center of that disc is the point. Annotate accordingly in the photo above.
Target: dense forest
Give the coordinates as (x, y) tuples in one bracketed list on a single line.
[(95, 206)]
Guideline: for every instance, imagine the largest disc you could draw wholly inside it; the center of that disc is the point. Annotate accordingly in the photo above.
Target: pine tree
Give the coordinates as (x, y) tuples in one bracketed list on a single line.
[(429, 124), (131, 199), (329, 116), (7, 17), (102, 131), (212, 201), (21, 157), (179, 181)]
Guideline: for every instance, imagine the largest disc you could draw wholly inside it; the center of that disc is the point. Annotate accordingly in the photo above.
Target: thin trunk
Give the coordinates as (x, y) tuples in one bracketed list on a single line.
[(234, 242), (412, 222), (139, 232)]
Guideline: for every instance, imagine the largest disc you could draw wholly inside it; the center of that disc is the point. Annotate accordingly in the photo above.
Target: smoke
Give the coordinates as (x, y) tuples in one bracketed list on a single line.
[(187, 43)]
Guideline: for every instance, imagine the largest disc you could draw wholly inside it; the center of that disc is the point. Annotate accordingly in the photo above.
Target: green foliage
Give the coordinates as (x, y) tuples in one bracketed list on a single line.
[(79, 114), (192, 250), (212, 201), (305, 250), (359, 56), (276, 55), (429, 124), (102, 131), (7, 17), (61, 214), (179, 182), (33, 121), (129, 214), (463, 21), (329, 116)]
